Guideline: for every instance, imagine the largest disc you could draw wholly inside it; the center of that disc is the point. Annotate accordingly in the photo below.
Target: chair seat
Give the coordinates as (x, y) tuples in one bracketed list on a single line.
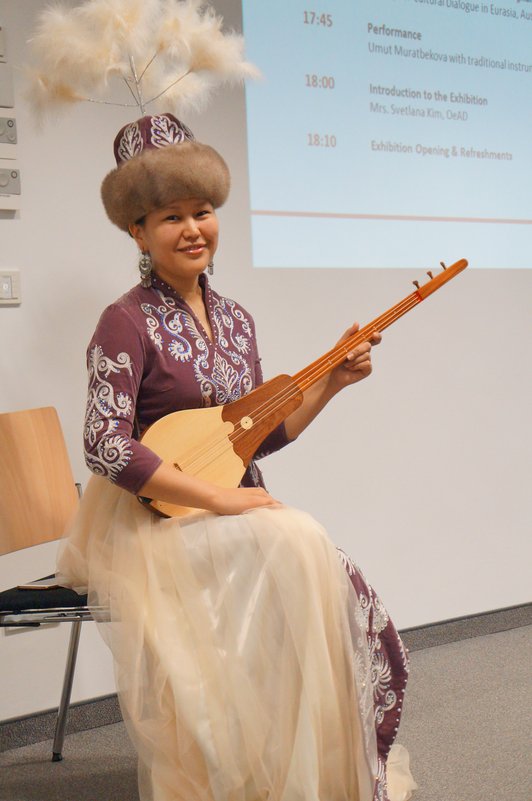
[(14, 601)]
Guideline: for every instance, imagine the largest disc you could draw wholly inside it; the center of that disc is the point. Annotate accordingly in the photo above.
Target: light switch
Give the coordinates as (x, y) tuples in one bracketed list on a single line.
[(9, 180), (8, 131), (9, 288), (6, 288), (7, 93)]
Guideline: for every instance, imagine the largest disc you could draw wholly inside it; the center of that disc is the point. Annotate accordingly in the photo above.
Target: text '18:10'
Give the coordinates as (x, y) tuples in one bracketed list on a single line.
[(321, 140)]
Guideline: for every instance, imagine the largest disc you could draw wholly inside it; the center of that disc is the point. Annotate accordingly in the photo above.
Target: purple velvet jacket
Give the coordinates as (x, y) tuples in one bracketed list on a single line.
[(150, 356)]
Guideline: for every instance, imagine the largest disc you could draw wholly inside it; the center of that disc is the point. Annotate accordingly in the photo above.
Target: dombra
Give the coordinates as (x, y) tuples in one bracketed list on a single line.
[(218, 443)]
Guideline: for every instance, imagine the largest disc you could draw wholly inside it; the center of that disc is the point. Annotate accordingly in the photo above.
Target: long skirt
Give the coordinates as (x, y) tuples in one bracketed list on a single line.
[(253, 661)]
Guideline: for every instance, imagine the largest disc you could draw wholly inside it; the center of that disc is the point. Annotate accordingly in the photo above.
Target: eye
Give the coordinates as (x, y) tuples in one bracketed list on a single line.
[(172, 218), (203, 213)]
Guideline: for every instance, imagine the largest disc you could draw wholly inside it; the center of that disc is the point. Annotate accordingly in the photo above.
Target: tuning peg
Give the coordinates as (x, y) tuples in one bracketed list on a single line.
[(416, 284), (443, 265), (429, 273)]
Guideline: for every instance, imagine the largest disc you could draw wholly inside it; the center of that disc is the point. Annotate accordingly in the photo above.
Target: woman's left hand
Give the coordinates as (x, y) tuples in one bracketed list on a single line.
[(357, 364)]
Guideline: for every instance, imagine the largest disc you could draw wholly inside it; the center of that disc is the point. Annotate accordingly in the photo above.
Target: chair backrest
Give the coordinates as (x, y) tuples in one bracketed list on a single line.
[(38, 495)]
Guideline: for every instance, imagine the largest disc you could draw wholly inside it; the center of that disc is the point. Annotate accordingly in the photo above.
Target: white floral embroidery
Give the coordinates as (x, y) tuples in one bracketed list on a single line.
[(372, 617), (154, 335), (225, 312), (130, 143), (224, 382), (380, 615), (362, 671), (166, 318), (222, 377), (165, 131), (124, 403), (376, 653), (381, 674), (113, 451), (381, 787), (242, 343)]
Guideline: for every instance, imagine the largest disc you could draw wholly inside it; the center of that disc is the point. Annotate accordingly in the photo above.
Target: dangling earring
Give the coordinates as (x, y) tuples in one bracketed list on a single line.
[(145, 268), (210, 267)]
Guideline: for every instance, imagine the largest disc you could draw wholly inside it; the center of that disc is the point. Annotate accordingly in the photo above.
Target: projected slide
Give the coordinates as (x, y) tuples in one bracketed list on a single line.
[(390, 133)]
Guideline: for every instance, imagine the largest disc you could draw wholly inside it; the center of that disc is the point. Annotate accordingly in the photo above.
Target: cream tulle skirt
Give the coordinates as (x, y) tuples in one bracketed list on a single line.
[(242, 670)]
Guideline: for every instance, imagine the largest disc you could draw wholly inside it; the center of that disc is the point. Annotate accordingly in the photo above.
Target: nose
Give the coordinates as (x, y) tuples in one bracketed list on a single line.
[(190, 229)]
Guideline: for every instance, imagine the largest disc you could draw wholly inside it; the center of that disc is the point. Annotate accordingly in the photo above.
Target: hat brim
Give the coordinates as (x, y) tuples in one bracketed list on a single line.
[(160, 176)]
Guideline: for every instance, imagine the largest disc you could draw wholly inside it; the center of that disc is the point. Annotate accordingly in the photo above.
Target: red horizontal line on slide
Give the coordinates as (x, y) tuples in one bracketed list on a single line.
[(415, 218)]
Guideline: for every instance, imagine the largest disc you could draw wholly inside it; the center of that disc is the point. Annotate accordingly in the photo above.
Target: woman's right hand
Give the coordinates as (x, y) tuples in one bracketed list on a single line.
[(239, 500), (172, 486)]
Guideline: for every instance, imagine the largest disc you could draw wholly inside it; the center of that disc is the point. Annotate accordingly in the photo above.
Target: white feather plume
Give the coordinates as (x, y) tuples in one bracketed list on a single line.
[(45, 97), (189, 92), (167, 52)]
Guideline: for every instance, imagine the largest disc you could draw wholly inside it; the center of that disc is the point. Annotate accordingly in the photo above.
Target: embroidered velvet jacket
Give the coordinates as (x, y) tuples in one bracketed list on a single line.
[(150, 356)]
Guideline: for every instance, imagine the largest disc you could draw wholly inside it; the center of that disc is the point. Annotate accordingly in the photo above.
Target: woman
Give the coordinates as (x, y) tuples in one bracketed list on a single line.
[(252, 663)]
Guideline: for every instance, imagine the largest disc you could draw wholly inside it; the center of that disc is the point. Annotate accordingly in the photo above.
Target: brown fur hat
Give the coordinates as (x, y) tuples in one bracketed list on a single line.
[(155, 175)]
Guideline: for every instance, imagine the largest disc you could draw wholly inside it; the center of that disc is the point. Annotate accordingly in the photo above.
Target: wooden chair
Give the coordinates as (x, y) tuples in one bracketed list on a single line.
[(38, 498)]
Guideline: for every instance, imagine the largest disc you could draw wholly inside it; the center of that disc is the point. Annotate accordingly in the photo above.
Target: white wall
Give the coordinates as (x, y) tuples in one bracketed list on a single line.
[(422, 472)]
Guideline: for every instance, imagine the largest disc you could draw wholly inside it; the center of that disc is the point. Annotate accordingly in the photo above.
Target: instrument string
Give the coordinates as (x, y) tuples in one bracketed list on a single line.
[(213, 450)]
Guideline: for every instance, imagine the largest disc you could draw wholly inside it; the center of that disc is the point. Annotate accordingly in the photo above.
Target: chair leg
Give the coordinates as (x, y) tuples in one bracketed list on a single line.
[(62, 712)]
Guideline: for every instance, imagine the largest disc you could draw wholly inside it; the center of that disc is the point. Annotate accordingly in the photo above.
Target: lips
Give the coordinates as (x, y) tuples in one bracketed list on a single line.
[(192, 249)]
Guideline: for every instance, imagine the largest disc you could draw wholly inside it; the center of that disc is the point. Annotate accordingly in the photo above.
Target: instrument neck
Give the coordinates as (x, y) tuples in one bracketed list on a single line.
[(309, 375)]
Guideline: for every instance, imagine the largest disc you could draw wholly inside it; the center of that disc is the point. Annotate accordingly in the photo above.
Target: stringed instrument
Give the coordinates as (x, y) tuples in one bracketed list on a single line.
[(217, 443)]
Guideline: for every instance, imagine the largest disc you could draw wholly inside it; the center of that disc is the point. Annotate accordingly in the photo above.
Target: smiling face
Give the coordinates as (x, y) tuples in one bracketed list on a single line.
[(181, 239)]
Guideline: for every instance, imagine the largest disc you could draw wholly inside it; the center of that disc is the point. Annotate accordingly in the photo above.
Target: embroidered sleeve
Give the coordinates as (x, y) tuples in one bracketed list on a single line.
[(115, 362)]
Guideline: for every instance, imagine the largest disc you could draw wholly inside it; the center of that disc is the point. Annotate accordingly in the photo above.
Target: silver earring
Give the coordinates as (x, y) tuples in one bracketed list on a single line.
[(145, 268), (210, 267)]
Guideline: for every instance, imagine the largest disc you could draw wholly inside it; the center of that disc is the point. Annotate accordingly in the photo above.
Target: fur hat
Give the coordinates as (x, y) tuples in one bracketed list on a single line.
[(160, 162)]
